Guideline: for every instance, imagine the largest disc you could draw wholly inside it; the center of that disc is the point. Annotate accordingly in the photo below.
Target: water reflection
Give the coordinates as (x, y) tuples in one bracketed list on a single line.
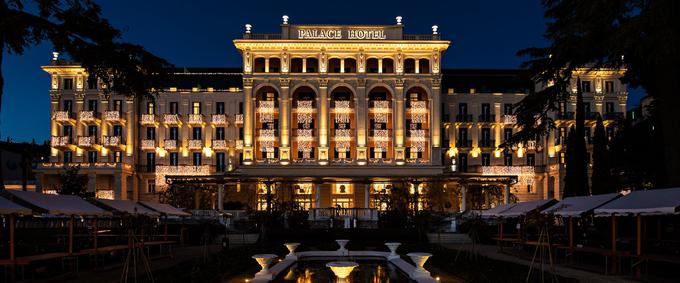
[(366, 272)]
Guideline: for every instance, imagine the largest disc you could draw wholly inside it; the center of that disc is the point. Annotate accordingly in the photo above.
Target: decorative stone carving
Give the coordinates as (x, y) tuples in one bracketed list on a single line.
[(284, 82), (399, 83), (323, 82), (436, 82), (247, 82)]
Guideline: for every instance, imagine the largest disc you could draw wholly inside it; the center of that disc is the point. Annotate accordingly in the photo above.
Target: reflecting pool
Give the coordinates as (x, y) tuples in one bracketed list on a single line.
[(368, 271)]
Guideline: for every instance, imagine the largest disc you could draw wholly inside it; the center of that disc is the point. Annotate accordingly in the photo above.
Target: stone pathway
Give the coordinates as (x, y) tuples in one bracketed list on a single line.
[(491, 251)]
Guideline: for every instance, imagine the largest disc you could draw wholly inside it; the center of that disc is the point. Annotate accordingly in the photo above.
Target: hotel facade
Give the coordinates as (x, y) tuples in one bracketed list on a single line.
[(324, 116)]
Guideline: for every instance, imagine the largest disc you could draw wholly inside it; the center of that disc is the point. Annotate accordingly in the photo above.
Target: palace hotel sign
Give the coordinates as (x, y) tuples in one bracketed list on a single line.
[(327, 32)]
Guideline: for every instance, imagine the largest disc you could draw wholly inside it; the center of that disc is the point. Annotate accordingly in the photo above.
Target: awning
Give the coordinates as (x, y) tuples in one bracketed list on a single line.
[(494, 212), (650, 202), (576, 206), (127, 207), (58, 204), (8, 207), (165, 209), (523, 208)]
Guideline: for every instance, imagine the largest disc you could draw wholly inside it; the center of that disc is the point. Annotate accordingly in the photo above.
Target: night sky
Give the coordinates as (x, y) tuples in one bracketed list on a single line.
[(484, 34)]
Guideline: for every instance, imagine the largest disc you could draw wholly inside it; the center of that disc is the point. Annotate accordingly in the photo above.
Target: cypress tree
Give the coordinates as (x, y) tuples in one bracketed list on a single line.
[(580, 151), (570, 189), (600, 179)]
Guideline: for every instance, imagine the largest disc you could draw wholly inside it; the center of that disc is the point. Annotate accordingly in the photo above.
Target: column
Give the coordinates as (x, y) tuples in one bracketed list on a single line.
[(304, 65), (129, 126), (399, 113), (317, 195), (266, 65), (120, 186), (342, 65), (506, 194), (380, 67), (248, 121), (104, 128), (417, 66), (284, 118), (499, 124), (367, 195), (436, 113), (361, 115), (54, 127), (91, 182), (323, 121), (220, 197), (463, 201)]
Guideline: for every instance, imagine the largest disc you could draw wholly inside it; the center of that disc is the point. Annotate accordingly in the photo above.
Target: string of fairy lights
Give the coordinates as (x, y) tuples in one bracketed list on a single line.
[(305, 134)]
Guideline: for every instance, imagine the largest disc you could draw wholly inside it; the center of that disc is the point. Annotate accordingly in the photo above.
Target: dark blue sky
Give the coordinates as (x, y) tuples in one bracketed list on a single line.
[(484, 34)]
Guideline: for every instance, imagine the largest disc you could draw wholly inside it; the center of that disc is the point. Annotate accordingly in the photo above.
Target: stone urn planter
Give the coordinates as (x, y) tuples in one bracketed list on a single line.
[(342, 243), (264, 260), (393, 250), (291, 250), (342, 269), (419, 260)]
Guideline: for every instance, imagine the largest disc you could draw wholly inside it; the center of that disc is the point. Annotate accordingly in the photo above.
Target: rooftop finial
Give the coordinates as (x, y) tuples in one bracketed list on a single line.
[(55, 56), (285, 19), (434, 29), (248, 28), (399, 20)]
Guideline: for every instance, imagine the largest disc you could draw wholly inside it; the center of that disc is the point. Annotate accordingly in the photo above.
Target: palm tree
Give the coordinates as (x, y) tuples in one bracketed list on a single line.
[(76, 28), (639, 37)]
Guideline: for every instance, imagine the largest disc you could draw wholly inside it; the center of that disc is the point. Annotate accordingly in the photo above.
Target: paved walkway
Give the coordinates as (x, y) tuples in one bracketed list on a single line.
[(491, 251)]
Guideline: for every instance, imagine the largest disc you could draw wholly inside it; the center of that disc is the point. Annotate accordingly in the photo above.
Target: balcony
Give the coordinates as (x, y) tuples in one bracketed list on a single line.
[(613, 115), (63, 117), (148, 144), (170, 144), (487, 143), (172, 119), (565, 116), (148, 119), (531, 145), (114, 142), (60, 141), (463, 143), (487, 118), (464, 118), (195, 119), (195, 144), (238, 119), (219, 144), (87, 142), (89, 117), (219, 119), (113, 116), (509, 119)]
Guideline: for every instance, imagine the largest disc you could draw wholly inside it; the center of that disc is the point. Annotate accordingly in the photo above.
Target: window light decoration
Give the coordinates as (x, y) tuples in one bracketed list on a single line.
[(381, 139), (380, 109), (418, 112), (265, 109), (304, 141), (342, 111), (418, 140), (525, 174), (267, 137), (181, 170), (343, 138), (104, 194), (305, 112), (238, 119)]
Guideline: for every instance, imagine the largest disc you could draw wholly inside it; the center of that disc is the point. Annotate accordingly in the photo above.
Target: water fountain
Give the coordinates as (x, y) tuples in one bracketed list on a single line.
[(419, 260), (342, 269), (393, 250), (342, 250), (291, 250), (264, 260)]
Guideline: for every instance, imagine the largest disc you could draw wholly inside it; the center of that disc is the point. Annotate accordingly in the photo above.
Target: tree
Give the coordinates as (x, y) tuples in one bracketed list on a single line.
[(601, 177), (638, 37), (76, 28), (73, 183), (570, 188), (580, 153)]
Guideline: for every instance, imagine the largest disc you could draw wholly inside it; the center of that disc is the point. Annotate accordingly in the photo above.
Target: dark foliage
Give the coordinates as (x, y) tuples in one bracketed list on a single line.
[(73, 183), (601, 177)]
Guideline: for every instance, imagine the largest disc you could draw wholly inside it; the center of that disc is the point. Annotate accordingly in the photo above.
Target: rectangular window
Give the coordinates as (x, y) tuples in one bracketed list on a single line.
[(586, 108), (68, 156), (486, 137), (196, 133), (609, 107), (196, 108), (219, 108), (92, 105), (68, 83), (486, 109), (507, 134), (151, 108), (151, 186), (462, 108), (68, 131), (174, 159), (531, 159), (507, 108), (174, 133), (240, 108), (92, 156), (220, 164), (486, 159), (150, 161), (219, 133), (462, 162), (67, 105), (585, 86), (117, 156), (174, 108), (118, 105), (608, 86), (197, 158), (562, 157), (92, 82), (507, 159), (150, 133), (117, 130), (463, 137), (92, 131)]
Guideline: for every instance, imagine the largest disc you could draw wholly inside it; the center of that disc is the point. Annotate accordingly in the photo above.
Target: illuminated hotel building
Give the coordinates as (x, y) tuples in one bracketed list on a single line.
[(334, 114)]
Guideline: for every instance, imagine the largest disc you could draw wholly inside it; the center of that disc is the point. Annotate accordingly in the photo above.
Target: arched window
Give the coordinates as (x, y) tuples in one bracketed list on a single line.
[(274, 65), (380, 124), (372, 65), (417, 125), (296, 65), (312, 65), (343, 140), (410, 66), (334, 65), (267, 124), (387, 65), (259, 65), (350, 65), (304, 124), (424, 66)]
